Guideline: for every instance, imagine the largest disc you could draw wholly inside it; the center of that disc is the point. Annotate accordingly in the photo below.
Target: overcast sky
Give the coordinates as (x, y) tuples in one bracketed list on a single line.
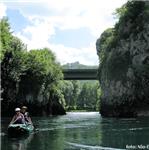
[(69, 28)]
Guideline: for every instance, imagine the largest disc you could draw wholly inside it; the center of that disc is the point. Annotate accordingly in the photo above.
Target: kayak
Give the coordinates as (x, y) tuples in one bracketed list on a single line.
[(20, 129)]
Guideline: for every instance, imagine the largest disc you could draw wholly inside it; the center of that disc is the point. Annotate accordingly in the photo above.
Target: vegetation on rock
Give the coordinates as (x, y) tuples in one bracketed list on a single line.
[(28, 78), (35, 79), (124, 62)]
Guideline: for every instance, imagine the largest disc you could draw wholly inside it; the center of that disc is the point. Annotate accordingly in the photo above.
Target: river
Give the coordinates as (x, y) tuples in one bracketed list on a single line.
[(80, 131)]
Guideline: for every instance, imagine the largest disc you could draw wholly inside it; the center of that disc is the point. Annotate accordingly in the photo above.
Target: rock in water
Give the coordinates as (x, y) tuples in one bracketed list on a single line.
[(124, 63)]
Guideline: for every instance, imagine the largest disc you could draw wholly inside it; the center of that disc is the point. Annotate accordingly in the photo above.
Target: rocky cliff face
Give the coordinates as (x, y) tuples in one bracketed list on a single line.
[(124, 68)]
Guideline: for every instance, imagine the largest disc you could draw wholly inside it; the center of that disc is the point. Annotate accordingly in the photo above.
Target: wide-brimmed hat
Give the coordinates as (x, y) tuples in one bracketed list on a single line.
[(17, 109)]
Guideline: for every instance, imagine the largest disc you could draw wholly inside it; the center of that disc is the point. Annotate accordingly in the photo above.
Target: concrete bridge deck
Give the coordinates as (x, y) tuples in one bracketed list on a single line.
[(80, 74)]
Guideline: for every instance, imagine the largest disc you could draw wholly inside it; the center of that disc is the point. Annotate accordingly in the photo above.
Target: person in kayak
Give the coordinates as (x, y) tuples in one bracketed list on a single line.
[(18, 118), (26, 115)]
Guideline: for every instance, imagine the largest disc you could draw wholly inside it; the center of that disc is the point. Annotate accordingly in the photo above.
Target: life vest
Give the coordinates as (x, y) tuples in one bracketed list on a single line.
[(19, 119)]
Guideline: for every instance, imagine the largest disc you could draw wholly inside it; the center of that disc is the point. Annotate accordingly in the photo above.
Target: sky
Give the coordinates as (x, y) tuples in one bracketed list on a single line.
[(69, 28)]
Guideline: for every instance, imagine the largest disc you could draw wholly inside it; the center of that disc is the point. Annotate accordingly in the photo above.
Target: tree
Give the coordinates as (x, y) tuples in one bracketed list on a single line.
[(12, 50), (89, 96), (39, 84), (67, 89), (30, 78)]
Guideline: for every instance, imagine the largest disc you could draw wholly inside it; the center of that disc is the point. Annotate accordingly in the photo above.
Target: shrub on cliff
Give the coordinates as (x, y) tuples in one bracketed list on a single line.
[(123, 53)]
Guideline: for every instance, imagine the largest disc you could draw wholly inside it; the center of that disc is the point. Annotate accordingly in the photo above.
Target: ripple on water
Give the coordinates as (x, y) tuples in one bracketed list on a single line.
[(131, 129), (89, 147)]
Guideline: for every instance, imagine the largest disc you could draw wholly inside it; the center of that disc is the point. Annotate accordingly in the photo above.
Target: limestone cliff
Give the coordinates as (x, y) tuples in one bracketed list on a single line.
[(124, 63)]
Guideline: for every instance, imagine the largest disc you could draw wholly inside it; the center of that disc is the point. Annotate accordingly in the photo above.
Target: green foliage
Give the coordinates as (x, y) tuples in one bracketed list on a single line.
[(76, 92), (34, 78), (41, 71), (89, 97), (12, 51), (8, 42), (5, 37), (41, 63), (81, 95), (103, 43), (120, 12), (30, 78), (123, 54), (128, 23), (128, 20), (67, 89), (131, 20)]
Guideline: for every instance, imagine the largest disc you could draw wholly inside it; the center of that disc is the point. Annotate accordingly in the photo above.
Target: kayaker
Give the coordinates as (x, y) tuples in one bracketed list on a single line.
[(18, 118), (26, 115)]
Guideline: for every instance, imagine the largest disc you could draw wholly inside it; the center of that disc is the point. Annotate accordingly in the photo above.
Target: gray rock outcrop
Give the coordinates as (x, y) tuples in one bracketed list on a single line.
[(124, 68)]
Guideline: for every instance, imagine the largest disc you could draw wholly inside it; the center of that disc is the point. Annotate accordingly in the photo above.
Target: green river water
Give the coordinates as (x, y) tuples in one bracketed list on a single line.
[(80, 131)]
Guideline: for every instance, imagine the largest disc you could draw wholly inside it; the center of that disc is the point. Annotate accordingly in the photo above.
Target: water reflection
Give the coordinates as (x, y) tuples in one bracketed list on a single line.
[(21, 144), (121, 132), (76, 131)]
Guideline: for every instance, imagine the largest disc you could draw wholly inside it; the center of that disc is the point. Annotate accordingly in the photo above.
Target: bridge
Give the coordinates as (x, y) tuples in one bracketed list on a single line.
[(80, 74)]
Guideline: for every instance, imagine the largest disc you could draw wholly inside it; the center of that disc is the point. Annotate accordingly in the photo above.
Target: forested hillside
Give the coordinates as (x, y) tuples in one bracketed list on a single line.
[(77, 65)]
